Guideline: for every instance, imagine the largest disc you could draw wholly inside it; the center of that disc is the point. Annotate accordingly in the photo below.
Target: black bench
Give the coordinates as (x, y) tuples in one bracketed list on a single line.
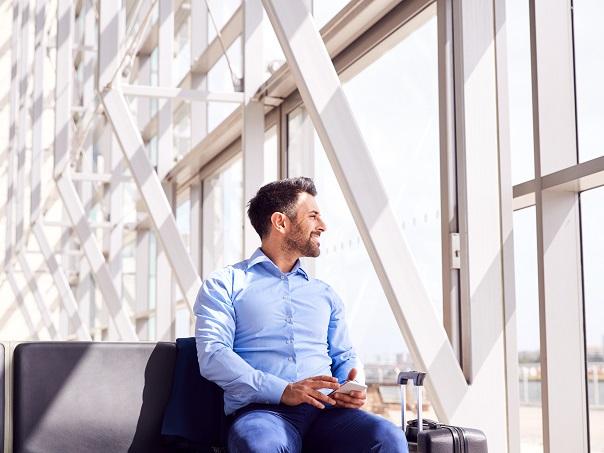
[(76, 397)]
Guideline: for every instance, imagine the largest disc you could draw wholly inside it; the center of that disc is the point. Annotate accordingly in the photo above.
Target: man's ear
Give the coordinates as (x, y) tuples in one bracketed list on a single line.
[(278, 221)]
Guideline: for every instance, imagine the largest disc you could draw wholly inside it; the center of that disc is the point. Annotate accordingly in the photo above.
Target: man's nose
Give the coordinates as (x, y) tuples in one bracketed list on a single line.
[(322, 225)]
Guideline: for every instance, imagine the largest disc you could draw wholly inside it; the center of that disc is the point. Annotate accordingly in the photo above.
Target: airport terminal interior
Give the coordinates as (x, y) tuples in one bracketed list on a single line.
[(457, 147)]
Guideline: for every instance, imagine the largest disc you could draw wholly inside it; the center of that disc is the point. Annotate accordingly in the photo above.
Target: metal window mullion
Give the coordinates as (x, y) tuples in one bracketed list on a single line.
[(561, 317), (507, 227), (253, 113), (479, 218), (357, 176)]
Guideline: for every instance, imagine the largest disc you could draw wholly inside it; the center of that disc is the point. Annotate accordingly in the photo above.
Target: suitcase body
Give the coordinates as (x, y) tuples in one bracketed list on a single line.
[(434, 437)]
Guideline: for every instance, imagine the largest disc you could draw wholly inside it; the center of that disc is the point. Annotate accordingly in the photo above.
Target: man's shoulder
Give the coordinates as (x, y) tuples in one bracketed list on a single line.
[(323, 286), (228, 272)]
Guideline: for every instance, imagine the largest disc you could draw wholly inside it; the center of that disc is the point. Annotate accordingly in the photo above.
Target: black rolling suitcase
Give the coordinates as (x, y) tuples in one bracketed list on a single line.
[(427, 436)]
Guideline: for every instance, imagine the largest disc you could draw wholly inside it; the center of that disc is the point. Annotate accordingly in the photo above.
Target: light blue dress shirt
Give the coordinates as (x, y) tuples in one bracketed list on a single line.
[(258, 329)]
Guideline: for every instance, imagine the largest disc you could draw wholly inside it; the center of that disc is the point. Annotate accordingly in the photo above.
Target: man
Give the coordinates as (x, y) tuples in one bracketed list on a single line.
[(276, 341)]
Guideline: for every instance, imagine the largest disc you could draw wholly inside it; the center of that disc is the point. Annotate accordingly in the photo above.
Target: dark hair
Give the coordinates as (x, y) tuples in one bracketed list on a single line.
[(277, 196)]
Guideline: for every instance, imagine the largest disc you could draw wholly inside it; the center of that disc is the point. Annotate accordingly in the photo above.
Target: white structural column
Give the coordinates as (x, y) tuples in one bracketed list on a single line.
[(563, 380), (114, 199), (199, 125), (165, 308), (253, 113), (65, 186), (480, 219), (147, 181), (199, 81), (502, 28), (85, 284), (356, 173), (60, 280), (12, 146), (23, 128)]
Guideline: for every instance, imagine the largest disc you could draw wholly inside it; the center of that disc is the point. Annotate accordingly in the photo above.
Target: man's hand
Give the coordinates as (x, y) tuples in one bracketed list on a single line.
[(306, 391), (353, 400)]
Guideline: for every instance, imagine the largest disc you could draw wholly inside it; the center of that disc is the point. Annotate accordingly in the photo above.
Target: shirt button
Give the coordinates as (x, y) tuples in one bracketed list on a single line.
[(283, 277), (290, 358)]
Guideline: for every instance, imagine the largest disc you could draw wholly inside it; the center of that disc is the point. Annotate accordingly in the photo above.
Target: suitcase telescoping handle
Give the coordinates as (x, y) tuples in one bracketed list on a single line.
[(418, 381)]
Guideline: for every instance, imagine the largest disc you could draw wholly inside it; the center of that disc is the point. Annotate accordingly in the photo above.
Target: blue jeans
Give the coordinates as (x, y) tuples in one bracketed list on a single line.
[(271, 428)]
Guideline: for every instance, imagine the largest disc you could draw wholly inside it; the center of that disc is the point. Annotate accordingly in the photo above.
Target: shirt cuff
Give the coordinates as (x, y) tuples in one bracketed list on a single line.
[(272, 389)]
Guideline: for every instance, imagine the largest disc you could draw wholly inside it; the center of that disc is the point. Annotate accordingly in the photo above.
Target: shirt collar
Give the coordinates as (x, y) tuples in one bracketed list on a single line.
[(259, 257)]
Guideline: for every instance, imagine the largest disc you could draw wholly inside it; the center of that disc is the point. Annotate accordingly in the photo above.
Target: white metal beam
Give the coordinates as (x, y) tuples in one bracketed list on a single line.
[(165, 306), (357, 175), (563, 380), (253, 114), (161, 92), (152, 193)]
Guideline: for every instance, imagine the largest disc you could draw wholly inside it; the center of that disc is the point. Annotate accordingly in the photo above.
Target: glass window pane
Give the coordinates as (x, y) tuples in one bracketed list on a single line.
[(520, 90), (395, 102), (324, 11), (592, 225), (589, 70), (527, 318)]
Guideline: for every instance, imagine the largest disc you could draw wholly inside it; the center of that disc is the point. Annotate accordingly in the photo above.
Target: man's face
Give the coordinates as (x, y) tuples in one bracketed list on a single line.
[(306, 228)]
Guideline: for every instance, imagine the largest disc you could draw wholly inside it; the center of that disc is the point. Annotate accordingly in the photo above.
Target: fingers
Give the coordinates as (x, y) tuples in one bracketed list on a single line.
[(322, 397), (316, 384), (352, 374), (313, 402), (352, 400)]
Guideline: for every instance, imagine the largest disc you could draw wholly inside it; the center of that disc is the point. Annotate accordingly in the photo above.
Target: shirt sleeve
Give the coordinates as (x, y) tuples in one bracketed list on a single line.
[(215, 332), (343, 356)]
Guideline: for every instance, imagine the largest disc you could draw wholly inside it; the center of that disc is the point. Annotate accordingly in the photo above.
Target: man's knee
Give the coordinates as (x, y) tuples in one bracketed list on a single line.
[(258, 435), (388, 438)]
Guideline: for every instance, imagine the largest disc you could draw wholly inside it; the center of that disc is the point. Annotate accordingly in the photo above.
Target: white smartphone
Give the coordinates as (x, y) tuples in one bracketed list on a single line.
[(350, 386)]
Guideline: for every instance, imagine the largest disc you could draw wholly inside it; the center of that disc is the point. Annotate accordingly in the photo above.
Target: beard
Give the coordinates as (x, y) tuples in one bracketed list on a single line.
[(304, 245)]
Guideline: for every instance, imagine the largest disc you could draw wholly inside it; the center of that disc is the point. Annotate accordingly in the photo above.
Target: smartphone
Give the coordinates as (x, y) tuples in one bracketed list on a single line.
[(350, 386)]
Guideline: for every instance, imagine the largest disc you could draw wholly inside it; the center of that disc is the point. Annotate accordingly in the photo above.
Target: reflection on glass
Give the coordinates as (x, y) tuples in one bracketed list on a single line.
[(520, 91), (395, 102), (589, 71), (223, 217), (592, 225), (527, 317), (324, 11)]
